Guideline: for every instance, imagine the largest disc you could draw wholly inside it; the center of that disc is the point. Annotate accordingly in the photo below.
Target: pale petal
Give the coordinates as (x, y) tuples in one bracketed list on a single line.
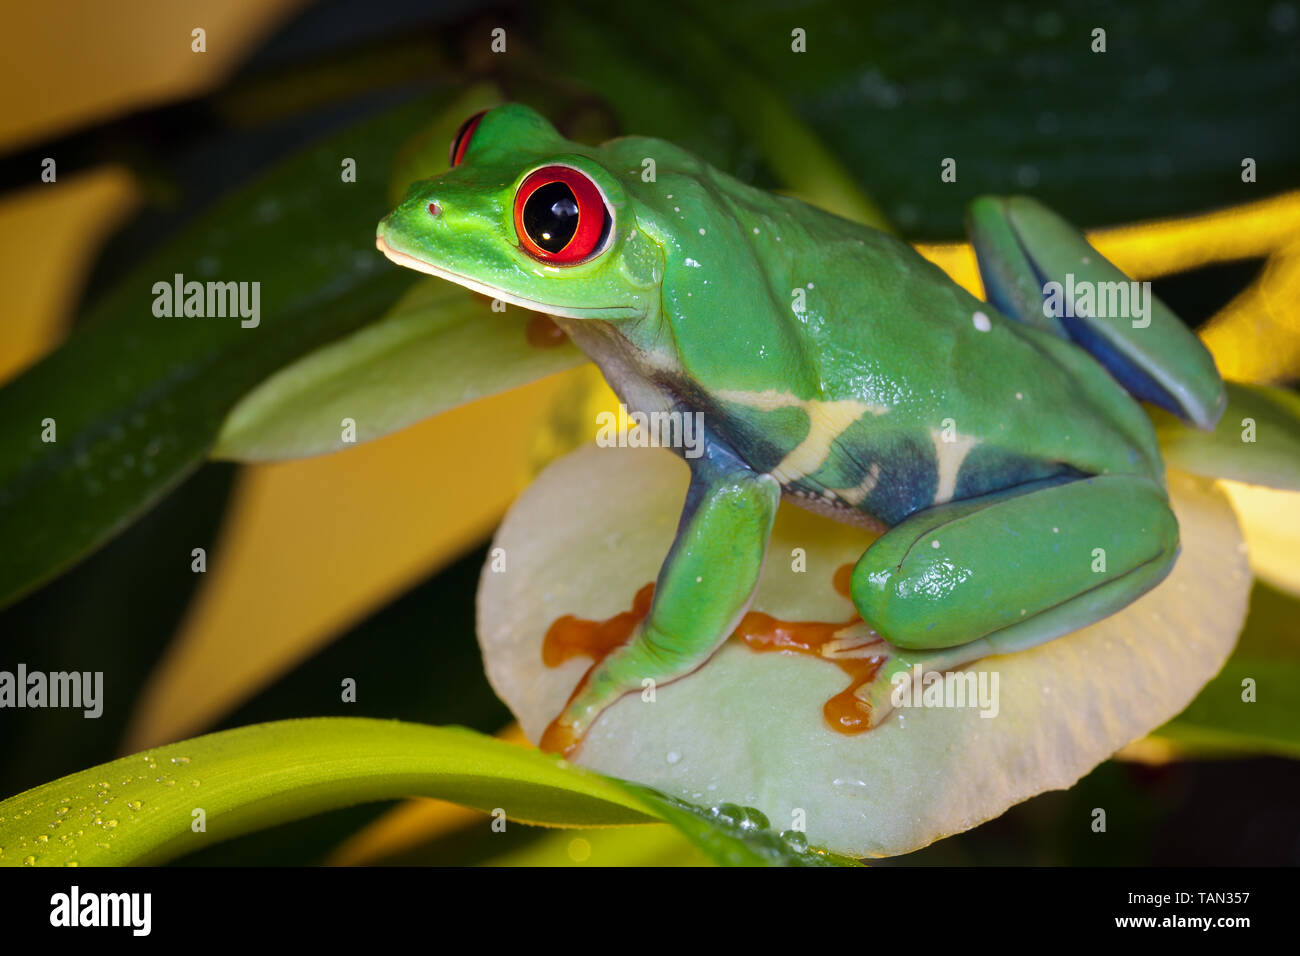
[(748, 728)]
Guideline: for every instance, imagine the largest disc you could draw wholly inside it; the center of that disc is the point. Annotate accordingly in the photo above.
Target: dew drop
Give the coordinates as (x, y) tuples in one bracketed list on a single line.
[(795, 840)]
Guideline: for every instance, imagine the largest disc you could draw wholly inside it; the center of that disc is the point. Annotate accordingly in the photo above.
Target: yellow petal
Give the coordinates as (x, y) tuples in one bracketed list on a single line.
[(41, 278), (102, 59), (1270, 520)]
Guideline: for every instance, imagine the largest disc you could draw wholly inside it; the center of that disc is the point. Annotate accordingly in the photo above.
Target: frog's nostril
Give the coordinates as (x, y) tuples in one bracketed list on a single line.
[(435, 210)]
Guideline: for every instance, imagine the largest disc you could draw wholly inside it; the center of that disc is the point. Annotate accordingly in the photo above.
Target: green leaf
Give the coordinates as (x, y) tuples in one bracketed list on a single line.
[(1257, 439), (1220, 721), (439, 347), (737, 836), (139, 809), (438, 682), (114, 613), (137, 399)]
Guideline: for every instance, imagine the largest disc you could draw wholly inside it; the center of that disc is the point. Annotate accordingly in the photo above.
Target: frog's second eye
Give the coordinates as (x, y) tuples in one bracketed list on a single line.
[(560, 215), (460, 142)]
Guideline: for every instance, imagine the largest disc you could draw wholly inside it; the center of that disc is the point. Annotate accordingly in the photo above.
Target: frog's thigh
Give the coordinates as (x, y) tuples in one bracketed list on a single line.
[(1027, 565), (1033, 263)]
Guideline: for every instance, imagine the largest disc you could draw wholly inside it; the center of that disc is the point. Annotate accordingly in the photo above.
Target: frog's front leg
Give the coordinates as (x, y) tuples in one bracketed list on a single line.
[(704, 587), (1008, 571)]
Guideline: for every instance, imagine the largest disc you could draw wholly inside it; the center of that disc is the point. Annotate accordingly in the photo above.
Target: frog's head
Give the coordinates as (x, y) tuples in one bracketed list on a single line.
[(526, 216)]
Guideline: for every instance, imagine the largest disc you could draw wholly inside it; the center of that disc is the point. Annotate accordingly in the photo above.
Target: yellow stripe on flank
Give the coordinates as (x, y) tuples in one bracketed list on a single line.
[(827, 421), (949, 456), (766, 401), (858, 493)]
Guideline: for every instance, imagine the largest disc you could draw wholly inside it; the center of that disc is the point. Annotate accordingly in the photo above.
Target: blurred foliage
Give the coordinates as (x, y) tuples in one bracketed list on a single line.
[(1265, 666), (113, 613), (1155, 126), (136, 410), (1012, 91)]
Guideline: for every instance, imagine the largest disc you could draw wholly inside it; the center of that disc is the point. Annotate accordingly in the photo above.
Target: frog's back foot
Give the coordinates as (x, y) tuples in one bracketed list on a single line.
[(1040, 270)]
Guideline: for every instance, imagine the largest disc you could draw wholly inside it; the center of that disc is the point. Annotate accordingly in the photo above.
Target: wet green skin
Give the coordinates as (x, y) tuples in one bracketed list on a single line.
[(997, 450)]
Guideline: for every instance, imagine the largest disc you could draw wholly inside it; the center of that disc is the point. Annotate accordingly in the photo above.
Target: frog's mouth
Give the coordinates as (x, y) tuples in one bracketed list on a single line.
[(419, 265)]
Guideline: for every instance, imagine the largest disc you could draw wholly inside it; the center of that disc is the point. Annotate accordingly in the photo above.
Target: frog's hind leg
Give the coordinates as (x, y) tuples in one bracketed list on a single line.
[(1040, 270), (1001, 573), (1035, 562)]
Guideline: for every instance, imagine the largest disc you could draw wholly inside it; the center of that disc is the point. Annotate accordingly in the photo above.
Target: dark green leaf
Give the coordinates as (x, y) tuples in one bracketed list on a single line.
[(137, 399)]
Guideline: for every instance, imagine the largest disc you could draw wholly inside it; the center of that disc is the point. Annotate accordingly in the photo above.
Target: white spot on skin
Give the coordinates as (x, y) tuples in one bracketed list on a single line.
[(1020, 396), (692, 263), (756, 230), (935, 543), (701, 230), (982, 323)]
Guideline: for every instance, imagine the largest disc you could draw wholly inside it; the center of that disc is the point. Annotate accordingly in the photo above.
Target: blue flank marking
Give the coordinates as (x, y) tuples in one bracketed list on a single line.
[(1129, 374)]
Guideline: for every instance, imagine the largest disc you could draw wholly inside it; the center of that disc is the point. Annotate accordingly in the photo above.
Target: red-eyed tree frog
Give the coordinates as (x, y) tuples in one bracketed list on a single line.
[(999, 447)]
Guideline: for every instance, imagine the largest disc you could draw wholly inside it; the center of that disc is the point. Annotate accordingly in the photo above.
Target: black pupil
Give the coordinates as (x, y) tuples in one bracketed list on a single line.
[(551, 216)]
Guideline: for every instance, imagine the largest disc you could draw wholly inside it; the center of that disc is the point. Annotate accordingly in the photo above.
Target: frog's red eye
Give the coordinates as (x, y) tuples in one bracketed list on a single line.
[(460, 142), (560, 215)]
